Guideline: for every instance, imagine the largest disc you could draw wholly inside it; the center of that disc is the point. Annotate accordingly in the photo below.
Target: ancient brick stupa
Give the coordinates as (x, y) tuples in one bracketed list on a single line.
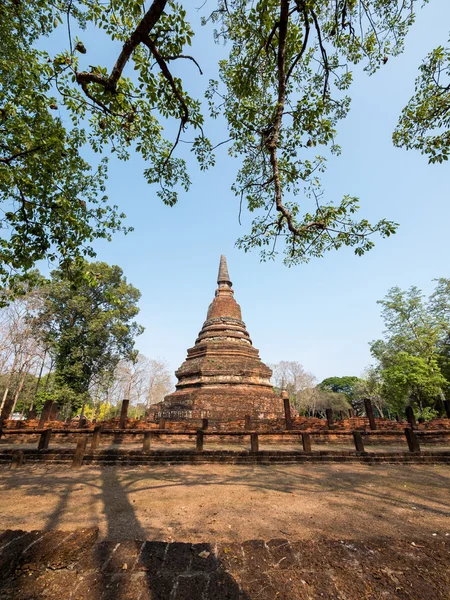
[(223, 377)]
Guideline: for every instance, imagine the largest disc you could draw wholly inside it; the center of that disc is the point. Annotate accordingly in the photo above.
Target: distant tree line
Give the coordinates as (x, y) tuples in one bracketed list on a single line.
[(305, 393), (412, 362), (71, 338)]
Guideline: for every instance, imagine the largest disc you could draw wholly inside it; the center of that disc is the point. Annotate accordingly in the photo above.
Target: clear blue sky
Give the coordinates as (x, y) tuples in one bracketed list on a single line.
[(322, 314)]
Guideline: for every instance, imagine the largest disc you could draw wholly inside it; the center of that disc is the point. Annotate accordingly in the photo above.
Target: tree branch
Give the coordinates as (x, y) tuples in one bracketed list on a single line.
[(138, 36), (305, 39), (326, 65), (187, 57), (168, 75), (8, 160), (273, 136)]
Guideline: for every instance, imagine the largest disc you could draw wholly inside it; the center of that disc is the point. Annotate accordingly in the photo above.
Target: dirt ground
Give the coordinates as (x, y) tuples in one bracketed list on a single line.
[(194, 503)]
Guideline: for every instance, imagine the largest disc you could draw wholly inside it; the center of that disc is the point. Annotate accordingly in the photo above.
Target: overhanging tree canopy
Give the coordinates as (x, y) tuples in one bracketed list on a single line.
[(425, 121), (283, 90)]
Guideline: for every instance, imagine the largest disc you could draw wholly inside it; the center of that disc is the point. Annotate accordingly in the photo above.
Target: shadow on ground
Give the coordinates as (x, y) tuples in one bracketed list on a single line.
[(191, 503), (54, 564)]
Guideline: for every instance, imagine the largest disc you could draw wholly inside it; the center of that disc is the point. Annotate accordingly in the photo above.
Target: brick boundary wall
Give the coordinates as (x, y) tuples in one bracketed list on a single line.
[(298, 423), (336, 439), (267, 457), (331, 436)]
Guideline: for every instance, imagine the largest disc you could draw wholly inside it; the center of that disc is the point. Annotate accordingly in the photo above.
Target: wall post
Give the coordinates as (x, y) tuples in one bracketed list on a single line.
[(369, 412), (124, 414), (306, 441)]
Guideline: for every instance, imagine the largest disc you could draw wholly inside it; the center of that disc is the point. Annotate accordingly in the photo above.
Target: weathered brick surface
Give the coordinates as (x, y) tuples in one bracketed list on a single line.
[(223, 376), (56, 565), (311, 424), (177, 456)]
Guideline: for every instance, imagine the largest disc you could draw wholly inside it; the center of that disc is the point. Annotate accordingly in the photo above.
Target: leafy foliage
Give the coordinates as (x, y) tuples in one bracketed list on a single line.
[(284, 89), (412, 378), (88, 326), (126, 113), (409, 356), (286, 82), (347, 385), (52, 203), (425, 121), (440, 306)]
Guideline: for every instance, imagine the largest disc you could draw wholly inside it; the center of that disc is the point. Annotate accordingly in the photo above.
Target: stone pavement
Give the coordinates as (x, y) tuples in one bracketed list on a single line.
[(58, 565)]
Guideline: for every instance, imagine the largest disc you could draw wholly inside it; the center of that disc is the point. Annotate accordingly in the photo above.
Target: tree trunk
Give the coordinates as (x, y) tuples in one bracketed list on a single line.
[(18, 391), (5, 395), (48, 375), (39, 380), (8, 385), (379, 409)]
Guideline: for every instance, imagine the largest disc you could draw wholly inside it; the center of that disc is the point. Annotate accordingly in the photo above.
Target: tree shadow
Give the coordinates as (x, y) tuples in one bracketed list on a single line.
[(286, 479), (121, 567), (114, 570), (57, 514), (175, 570), (322, 480)]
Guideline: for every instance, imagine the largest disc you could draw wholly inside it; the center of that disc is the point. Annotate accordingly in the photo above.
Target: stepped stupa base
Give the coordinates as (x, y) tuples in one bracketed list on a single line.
[(222, 403), (223, 377)]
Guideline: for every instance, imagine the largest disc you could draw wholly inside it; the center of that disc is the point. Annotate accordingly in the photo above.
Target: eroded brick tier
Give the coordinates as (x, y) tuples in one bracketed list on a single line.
[(223, 376)]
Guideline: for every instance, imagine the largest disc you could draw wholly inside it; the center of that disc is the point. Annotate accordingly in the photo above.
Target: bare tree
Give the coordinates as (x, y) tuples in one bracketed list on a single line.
[(21, 351), (292, 376), (144, 381), (305, 395), (314, 402), (371, 386), (160, 381)]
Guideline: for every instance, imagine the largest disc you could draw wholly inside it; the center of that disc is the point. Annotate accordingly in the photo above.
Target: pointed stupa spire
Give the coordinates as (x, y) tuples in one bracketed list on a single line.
[(223, 377), (223, 278)]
